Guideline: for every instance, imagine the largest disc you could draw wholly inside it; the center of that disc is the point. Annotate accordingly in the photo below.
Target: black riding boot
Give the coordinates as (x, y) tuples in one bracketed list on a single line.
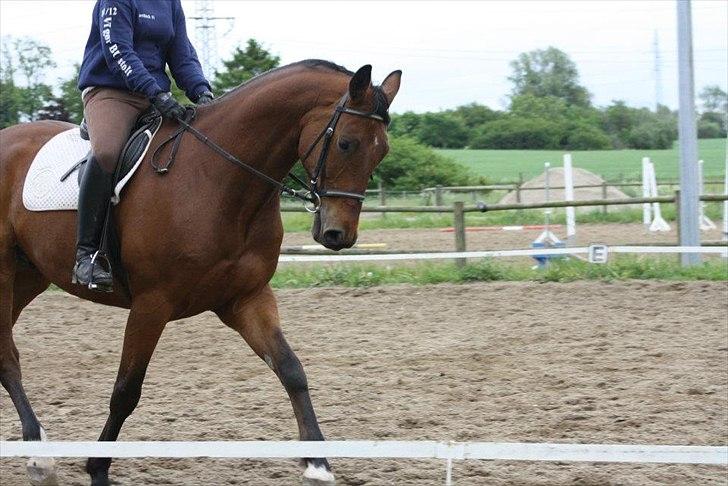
[(93, 201)]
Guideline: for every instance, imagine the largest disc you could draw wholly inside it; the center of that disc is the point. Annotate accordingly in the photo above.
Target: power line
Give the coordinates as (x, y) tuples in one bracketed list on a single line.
[(206, 30), (658, 73)]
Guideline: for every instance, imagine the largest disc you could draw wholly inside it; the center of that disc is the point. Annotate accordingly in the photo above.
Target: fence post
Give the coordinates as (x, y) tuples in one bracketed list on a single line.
[(382, 197), (646, 192), (518, 187), (459, 227), (604, 196), (438, 196), (677, 222)]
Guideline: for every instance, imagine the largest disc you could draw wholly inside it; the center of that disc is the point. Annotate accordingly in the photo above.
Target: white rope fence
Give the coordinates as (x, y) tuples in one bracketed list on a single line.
[(588, 250), (506, 451), (449, 451)]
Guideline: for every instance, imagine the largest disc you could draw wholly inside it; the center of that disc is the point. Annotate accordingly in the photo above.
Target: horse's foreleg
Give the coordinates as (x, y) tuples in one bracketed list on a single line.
[(41, 471), (143, 329), (257, 322)]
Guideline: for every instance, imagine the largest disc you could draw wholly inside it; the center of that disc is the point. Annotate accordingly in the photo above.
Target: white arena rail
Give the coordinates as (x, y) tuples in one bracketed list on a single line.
[(719, 250), (449, 451), (506, 451)]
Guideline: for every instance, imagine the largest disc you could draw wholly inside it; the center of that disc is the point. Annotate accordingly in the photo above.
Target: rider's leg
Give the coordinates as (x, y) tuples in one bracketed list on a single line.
[(93, 202), (110, 115)]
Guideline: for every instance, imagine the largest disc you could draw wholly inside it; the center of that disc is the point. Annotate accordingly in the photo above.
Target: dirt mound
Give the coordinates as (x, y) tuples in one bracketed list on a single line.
[(582, 177)]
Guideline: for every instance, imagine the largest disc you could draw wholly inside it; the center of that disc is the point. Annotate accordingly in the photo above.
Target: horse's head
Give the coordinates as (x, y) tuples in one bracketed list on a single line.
[(342, 157)]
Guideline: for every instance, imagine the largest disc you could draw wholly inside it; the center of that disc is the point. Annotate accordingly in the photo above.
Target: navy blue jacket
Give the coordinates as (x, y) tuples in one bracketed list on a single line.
[(130, 43)]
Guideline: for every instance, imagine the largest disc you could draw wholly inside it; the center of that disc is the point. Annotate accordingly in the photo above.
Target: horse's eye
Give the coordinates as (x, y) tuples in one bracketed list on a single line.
[(344, 144)]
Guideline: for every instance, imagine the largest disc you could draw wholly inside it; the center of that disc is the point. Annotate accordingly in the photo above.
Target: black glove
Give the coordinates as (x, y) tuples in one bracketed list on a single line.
[(168, 106), (205, 98)]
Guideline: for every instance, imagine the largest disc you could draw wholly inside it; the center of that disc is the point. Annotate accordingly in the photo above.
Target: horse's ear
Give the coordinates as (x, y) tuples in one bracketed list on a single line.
[(390, 85), (361, 81)]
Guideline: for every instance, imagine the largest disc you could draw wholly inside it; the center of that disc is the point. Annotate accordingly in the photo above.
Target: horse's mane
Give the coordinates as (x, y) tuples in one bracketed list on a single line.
[(382, 105)]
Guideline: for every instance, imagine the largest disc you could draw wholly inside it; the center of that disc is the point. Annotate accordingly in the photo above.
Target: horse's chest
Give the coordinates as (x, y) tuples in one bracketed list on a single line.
[(225, 281)]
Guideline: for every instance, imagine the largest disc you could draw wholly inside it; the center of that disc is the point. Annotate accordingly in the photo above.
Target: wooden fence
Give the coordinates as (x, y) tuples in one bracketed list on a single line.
[(459, 209), (435, 195)]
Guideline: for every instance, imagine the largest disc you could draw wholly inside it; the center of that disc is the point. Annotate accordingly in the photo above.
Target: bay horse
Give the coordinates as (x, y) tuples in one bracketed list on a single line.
[(213, 229)]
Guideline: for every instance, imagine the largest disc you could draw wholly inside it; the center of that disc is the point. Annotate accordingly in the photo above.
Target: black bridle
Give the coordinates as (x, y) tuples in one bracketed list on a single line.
[(312, 192), (315, 188)]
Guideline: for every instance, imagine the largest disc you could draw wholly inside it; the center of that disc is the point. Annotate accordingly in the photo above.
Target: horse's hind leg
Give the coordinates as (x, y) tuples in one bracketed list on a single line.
[(146, 322), (257, 322), (19, 285)]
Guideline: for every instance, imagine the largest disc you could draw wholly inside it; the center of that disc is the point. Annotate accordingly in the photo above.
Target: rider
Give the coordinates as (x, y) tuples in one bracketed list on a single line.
[(122, 73)]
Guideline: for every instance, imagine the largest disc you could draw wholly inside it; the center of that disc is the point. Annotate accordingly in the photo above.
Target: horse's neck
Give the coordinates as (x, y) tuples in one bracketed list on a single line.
[(261, 126)]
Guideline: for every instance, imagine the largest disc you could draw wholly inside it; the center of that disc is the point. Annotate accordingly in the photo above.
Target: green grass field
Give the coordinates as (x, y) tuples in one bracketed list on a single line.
[(621, 268), (504, 165)]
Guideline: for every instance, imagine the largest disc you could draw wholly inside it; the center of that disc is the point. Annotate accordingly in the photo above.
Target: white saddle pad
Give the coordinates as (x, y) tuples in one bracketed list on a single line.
[(43, 189)]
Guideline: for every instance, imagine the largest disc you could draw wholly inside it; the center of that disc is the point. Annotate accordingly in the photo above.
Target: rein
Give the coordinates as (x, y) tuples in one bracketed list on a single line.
[(312, 192)]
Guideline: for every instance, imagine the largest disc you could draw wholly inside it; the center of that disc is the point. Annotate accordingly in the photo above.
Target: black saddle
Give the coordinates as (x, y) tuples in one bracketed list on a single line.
[(139, 139)]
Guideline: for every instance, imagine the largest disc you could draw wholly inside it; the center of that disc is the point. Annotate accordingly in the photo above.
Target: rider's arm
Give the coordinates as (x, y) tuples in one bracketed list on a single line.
[(182, 59), (117, 41)]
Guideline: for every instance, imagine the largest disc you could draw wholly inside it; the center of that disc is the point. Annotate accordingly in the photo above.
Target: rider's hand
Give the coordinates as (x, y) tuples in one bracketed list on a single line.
[(205, 98), (168, 106)]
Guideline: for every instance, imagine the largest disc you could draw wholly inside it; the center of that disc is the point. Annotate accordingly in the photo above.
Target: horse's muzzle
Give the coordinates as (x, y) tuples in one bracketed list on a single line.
[(335, 226)]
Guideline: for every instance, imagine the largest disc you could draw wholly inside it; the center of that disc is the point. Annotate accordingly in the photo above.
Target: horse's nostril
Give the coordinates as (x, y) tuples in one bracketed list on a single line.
[(333, 237)]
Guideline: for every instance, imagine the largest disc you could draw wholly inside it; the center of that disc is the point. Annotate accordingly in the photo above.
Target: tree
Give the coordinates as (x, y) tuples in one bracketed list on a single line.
[(70, 97), (244, 65), (405, 124), (708, 129), (520, 133), (411, 165), (442, 130), (547, 107), (27, 59), (475, 114), (33, 60), (9, 93), (619, 120), (55, 109), (548, 72), (714, 99), (639, 127), (9, 103)]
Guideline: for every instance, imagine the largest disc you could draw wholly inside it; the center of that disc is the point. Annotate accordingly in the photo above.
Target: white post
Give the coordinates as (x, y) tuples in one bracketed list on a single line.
[(701, 204), (547, 237), (646, 207), (547, 191), (725, 203), (448, 472), (687, 135), (658, 223), (569, 196), (705, 222)]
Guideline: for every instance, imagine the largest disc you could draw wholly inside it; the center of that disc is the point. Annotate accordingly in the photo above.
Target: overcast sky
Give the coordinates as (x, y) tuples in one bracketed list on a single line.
[(451, 53)]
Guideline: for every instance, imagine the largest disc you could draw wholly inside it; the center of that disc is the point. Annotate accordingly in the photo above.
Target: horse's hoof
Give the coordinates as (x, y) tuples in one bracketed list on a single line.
[(100, 479), (317, 476), (42, 471)]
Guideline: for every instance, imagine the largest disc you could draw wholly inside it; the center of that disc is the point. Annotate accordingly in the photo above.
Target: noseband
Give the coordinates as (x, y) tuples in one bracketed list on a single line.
[(312, 192), (315, 189)]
